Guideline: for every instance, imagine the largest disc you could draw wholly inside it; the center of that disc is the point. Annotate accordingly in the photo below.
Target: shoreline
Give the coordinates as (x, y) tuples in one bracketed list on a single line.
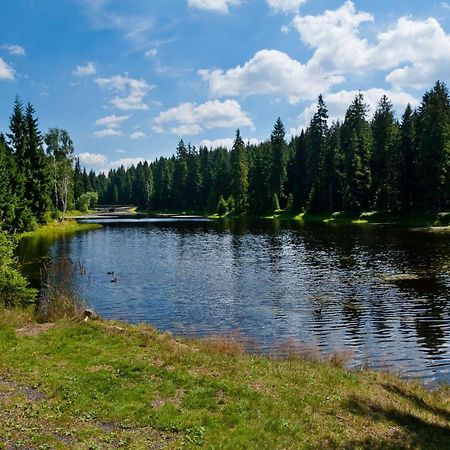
[(135, 384)]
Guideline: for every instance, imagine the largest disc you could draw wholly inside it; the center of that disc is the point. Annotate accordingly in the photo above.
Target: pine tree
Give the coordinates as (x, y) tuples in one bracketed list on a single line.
[(357, 144), (278, 146), (408, 151), (433, 157), (37, 184), (317, 148), (239, 173), (385, 160)]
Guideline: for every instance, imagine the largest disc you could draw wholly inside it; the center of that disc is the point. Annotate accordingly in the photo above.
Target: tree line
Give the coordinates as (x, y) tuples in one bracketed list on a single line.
[(360, 164), (356, 165)]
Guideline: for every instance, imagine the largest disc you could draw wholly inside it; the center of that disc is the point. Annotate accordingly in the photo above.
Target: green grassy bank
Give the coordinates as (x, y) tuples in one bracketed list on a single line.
[(440, 220), (101, 385), (61, 228)]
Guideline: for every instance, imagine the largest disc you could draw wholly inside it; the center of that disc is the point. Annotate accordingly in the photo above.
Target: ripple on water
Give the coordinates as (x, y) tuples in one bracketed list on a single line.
[(381, 293)]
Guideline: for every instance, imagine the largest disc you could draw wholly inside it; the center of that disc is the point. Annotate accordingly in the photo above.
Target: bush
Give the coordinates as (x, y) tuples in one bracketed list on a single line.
[(14, 289), (87, 201), (222, 207)]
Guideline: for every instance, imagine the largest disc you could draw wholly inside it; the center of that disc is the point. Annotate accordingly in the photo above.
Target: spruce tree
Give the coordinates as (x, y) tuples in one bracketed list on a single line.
[(239, 173), (278, 146), (433, 153), (37, 183), (357, 144)]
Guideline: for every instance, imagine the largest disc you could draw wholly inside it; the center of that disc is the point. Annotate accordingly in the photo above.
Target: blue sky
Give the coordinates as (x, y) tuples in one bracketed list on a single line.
[(128, 79)]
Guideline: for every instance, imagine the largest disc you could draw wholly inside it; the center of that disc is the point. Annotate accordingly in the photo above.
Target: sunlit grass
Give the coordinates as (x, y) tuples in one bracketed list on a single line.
[(59, 228), (109, 385)]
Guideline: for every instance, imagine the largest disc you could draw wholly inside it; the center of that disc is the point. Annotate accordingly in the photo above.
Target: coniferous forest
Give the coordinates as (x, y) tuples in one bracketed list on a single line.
[(385, 162)]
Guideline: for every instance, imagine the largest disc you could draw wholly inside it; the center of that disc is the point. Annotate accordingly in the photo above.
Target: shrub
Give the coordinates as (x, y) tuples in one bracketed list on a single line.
[(14, 289)]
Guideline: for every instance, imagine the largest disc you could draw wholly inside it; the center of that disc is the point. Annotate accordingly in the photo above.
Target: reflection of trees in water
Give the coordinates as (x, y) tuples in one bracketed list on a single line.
[(430, 326)]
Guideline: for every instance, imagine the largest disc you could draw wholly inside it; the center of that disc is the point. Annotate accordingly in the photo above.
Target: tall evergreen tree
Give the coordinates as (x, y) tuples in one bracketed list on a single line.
[(37, 184), (433, 158), (357, 144), (408, 152), (278, 146), (239, 173), (385, 160), (317, 143)]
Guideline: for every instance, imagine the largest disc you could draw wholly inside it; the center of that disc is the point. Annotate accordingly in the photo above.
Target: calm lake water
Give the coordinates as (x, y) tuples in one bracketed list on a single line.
[(334, 287)]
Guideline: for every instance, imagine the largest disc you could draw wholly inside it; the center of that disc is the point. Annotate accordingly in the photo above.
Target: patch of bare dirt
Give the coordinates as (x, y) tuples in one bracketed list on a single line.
[(34, 329)]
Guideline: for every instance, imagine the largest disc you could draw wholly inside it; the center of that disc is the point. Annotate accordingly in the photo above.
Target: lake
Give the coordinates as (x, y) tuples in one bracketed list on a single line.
[(380, 292)]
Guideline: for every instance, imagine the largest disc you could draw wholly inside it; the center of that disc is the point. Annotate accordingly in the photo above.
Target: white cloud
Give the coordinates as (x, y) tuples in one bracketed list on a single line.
[(101, 163), (14, 49), (93, 159), (86, 70), (335, 36), (112, 121), (269, 72), (411, 53), (6, 71), (416, 52), (107, 132), (220, 6), (225, 142), (338, 103), (119, 150), (420, 48), (445, 5), (130, 92), (285, 6), (152, 52), (192, 119), (126, 162), (137, 135)]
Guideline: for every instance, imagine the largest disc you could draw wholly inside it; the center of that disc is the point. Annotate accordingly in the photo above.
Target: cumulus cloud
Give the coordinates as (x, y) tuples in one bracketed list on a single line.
[(269, 72), (129, 92), (285, 6), (111, 126), (92, 159), (107, 132), (226, 142), (6, 71), (417, 52), (112, 121), (86, 70), (14, 49), (221, 6), (137, 135), (411, 53), (338, 102), (192, 119), (101, 163)]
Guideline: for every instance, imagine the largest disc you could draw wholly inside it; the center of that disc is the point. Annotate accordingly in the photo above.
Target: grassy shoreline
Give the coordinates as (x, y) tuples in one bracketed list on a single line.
[(416, 220), (60, 228), (105, 384)]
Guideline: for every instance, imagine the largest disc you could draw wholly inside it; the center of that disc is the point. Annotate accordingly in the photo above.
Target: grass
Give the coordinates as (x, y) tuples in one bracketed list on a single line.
[(99, 384), (54, 229)]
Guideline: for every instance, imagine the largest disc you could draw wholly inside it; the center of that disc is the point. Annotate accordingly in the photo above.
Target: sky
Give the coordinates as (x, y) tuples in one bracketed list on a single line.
[(129, 78)]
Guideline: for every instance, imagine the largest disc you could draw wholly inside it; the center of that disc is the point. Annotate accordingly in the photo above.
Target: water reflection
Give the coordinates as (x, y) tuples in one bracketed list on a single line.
[(382, 293)]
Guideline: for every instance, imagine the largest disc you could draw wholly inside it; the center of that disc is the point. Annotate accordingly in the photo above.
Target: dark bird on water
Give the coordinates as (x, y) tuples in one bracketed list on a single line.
[(114, 280), (110, 273)]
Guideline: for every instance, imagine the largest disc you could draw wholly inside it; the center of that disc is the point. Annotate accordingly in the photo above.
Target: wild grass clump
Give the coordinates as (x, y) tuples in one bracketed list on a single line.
[(59, 299)]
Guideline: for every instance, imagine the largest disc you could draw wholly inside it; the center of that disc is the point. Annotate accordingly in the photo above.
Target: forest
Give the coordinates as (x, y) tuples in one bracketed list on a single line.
[(385, 163)]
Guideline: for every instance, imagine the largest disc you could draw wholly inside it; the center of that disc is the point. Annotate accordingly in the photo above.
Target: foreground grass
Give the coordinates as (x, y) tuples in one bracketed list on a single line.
[(54, 229), (99, 385)]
